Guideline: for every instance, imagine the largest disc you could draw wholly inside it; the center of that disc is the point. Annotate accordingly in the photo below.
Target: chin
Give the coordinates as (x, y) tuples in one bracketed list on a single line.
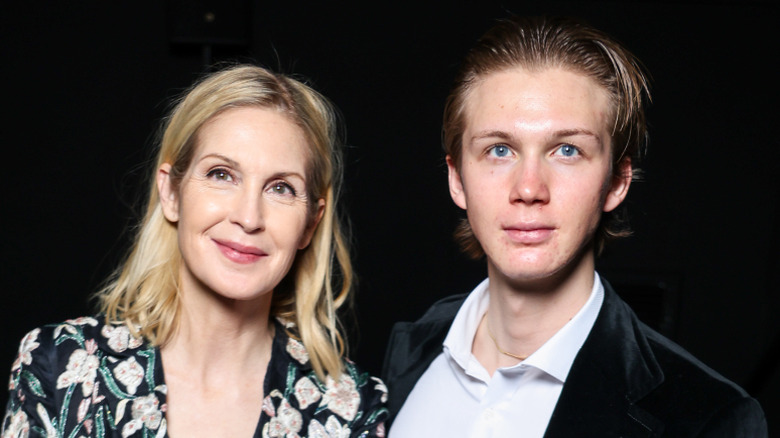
[(241, 292), (531, 270)]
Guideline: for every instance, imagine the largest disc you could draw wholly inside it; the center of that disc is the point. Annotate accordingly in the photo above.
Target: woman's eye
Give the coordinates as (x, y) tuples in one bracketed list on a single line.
[(282, 188), (220, 174), (567, 150), (500, 151)]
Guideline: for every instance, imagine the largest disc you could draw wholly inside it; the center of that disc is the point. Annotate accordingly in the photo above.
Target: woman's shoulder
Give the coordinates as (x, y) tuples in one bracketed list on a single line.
[(84, 374), (92, 332), (59, 341)]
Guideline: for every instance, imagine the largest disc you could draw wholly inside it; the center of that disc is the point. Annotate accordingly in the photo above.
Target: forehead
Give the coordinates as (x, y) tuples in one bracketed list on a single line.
[(253, 132), (545, 99)]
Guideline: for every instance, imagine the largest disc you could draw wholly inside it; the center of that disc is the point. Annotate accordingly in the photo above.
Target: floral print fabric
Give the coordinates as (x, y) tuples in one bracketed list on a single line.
[(84, 378)]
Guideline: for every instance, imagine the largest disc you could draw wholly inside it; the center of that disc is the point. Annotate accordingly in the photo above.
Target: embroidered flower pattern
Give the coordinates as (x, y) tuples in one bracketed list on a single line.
[(28, 344), (306, 392), (82, 368), (130, 374), (286, 423), (297, 351), (332, 429), (106, 384), (342, 397), (120, 338), (145, 412), (17, 427), (381, 387)]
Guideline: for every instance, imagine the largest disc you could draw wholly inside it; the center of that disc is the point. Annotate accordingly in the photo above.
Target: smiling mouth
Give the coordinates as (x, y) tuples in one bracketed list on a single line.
[(238, 253)]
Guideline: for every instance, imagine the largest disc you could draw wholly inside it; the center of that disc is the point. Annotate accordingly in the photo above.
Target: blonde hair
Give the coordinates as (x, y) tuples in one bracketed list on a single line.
[(537, 43), (143, 292)]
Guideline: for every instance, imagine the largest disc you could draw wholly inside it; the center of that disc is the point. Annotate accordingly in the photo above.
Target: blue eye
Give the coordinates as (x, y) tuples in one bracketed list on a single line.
[(500, 151), (567, 150)]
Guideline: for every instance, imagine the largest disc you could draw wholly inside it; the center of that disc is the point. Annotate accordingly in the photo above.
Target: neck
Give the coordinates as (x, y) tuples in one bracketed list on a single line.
[(220, 336), (524, 314)]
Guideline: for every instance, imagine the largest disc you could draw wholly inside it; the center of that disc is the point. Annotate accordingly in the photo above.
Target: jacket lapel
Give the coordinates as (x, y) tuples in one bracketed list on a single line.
[(614, 369)]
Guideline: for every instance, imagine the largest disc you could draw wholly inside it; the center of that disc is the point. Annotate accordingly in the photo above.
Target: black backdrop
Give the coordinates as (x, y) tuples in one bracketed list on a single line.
[(85, 84)]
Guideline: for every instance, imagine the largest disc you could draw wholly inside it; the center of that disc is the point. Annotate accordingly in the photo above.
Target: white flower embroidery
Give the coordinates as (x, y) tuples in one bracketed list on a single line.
[(88, 426), (28, 344), (332, 429), (380, 430), (145, 412), (68, 325), (119, 338), (18, 427), (83, 409), (380, 386), (286, 424), (130, 374), (51, 432), (268, 404), (297, 351), (306, 392), (84, 320), (341, 397), (82, 368)]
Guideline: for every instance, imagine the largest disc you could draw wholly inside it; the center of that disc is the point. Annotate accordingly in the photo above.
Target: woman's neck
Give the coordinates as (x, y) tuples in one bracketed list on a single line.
[(216, 335)]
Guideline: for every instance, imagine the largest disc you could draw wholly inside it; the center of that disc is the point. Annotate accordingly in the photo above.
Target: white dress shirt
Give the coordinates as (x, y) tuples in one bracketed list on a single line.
[(456, 397)]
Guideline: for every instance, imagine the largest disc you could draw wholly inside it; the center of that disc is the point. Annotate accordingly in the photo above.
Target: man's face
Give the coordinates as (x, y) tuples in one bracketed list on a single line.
[(535, 171)]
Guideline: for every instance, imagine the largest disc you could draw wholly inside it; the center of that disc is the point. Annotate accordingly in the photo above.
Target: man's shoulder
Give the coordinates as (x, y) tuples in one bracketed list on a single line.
[(442, 311), (429, 330), (683, 370), (692, 390), (674, 386)]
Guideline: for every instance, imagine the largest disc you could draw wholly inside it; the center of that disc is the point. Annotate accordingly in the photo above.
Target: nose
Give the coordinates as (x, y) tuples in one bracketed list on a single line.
[(247, 210), (530, 182)]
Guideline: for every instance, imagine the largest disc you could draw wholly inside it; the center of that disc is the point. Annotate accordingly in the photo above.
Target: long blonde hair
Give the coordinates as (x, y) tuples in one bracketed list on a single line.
[(143, 292)]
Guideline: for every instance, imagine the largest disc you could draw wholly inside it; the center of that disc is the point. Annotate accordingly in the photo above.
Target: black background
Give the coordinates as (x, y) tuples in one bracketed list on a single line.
[(85, 84)]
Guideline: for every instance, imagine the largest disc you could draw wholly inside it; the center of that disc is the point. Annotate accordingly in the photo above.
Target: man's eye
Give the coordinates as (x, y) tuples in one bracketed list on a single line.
[(567, 150), (500, 151)]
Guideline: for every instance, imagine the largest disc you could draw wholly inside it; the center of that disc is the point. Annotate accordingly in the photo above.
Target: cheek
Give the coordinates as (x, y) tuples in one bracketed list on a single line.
[(290, 225)]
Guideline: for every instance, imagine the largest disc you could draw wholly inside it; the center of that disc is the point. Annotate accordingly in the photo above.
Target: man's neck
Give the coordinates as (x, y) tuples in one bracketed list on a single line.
[(523, 315)]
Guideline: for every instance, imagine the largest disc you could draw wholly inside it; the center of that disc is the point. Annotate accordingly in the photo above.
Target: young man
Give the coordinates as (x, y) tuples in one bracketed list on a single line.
[(542, 132)]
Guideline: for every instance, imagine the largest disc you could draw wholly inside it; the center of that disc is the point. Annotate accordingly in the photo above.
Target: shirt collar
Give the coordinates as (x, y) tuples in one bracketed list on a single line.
[(555, 357)]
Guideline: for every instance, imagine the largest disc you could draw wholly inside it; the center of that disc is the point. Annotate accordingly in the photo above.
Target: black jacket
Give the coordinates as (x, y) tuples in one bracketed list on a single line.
[(626, 381)]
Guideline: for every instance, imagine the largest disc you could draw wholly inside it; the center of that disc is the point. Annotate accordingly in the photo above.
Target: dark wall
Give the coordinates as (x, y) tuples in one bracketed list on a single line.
[(85, 84)]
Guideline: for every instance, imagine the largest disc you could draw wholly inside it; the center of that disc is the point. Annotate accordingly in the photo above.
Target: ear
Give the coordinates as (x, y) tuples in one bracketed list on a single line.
[(308, 233), (456, 183), (169, 198), (619, 186)]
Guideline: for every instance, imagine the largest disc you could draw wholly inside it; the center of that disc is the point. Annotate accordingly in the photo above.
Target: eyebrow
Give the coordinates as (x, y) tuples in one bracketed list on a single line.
[(490, 134), (230, 161), (576, 131), (503, 135)]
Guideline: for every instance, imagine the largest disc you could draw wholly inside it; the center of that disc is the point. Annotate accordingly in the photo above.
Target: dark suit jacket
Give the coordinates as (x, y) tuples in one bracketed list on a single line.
[(626, 381)]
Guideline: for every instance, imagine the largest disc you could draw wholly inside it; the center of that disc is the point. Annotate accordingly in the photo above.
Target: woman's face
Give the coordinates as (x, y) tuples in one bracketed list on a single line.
[(241, 209)]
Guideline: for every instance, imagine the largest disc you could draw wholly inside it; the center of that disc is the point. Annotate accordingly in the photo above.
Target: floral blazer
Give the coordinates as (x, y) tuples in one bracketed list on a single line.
[(84, 378)]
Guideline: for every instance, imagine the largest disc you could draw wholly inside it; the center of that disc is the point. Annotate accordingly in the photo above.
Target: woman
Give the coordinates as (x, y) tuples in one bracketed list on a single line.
[(222, 320)]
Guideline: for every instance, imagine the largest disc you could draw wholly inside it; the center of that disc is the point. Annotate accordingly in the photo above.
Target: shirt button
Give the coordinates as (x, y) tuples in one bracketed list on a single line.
[(488, 415)]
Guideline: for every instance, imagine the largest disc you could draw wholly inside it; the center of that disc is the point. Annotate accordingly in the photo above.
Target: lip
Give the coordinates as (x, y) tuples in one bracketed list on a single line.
[(529, 234), (238, 253)]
